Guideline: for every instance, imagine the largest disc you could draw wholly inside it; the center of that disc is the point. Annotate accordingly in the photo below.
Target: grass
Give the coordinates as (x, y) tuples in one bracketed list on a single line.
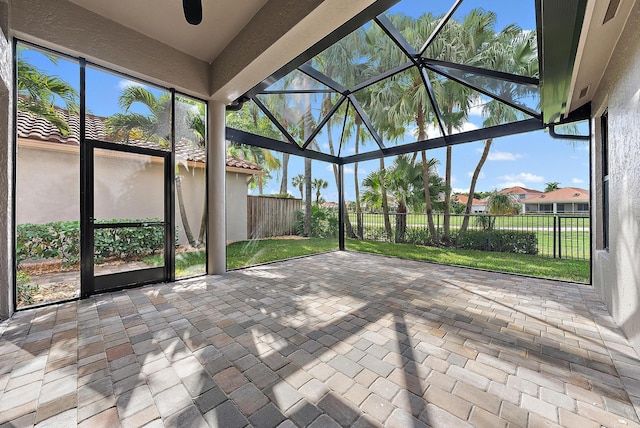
[(544, 267), (519, 221), (248, 253), (188, 263)]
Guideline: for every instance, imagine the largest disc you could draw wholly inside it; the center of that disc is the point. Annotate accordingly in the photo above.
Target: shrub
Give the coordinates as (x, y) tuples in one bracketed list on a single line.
[(375, 233), (506, 241), (61, 240), (25, 289), (324, 222), (56, 240), (128, 242), (417, 236)]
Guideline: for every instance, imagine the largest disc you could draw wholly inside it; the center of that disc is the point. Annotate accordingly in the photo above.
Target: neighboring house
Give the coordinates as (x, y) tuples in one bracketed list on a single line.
[(477, 205), (330, 205), (520, 193), (567, 200), (44, 153)]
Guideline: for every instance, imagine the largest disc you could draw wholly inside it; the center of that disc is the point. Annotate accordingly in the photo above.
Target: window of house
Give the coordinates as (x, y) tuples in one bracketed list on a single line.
[(605, 179)]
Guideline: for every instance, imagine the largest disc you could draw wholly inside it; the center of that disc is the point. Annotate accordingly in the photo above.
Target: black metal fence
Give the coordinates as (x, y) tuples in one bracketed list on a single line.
[(563, 236)]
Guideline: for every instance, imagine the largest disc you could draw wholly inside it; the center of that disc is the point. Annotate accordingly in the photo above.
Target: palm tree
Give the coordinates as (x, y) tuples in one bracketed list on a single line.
[(404, 183), (502, 203), (37, 93), (298, 181), (154, 126), (459, 42), (248, 119), (339, 62), (319, 184), (403, 99), (551, 186), (262, 157), (514, 51)]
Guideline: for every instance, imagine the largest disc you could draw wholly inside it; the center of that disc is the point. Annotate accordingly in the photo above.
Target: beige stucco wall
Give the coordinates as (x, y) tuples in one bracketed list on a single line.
[(6, 160), (616, 273), (48, 184), (236, 215)]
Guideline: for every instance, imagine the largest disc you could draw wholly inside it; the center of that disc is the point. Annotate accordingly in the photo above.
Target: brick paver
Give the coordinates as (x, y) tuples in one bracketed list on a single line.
[(358, 340)]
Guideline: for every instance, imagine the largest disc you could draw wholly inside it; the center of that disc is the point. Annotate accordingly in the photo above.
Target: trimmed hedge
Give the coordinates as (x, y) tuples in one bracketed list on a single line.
[(505, 241), (61, 240)]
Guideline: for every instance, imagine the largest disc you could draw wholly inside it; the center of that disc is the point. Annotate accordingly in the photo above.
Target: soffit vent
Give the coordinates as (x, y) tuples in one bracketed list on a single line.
[(611, 11), (584, 92)]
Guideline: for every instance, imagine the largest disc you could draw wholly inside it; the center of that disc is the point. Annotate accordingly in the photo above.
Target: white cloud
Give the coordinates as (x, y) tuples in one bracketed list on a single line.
[(502, 156), (575, 180), (523, 177), (506, 184), (460, 190), (433, 131), (349, 170), (470, 174), (126, 83)]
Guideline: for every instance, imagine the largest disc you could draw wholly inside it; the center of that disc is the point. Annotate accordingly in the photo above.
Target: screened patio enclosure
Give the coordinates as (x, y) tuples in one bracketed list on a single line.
[(407, 78)]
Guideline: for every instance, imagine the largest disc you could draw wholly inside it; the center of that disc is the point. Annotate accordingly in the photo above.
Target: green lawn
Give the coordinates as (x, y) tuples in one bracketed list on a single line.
[(248, 253), (544, 267), (574, 235), (515, 221), (189, 263)]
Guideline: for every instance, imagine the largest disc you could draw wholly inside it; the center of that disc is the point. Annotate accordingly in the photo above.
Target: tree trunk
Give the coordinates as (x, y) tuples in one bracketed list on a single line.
[(307, 197), (472, 188), (401, 223), (183, 212), (203, 226), (307, 129), (347, 223), (427, 197), (285, 174), (359, 224), (446, 228), (385, 201)]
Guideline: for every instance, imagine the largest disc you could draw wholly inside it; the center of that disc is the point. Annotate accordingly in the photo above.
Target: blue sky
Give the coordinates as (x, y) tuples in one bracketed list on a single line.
[(528, 160)]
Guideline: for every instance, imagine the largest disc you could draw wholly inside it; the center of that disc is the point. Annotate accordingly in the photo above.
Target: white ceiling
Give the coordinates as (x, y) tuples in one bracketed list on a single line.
[(164, 21), (601, 40)]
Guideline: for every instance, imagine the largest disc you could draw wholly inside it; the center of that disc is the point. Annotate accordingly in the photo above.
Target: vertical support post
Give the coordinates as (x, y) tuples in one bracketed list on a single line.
[(170, 203), (341, 207), (86, 194), (8, 143), (554, 237), (559, 238), (216, 204)]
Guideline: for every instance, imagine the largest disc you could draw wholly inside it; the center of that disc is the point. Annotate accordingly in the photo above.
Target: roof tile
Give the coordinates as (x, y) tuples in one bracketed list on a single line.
[(37, 128)]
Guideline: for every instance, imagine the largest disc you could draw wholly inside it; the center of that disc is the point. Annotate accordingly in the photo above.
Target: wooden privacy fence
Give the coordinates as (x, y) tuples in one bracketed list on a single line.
[(271, 216)]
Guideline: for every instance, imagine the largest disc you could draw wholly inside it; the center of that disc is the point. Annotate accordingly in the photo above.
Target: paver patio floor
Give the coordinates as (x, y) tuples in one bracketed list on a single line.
[(338, 339)]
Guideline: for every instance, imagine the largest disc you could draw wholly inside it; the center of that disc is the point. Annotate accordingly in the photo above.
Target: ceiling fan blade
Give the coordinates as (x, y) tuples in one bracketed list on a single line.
[(192, 11)]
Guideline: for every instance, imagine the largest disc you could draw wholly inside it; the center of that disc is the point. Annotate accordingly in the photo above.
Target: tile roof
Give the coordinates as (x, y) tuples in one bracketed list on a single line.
[(37, 128), (519, 190), (565, 194), (463, 199)]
